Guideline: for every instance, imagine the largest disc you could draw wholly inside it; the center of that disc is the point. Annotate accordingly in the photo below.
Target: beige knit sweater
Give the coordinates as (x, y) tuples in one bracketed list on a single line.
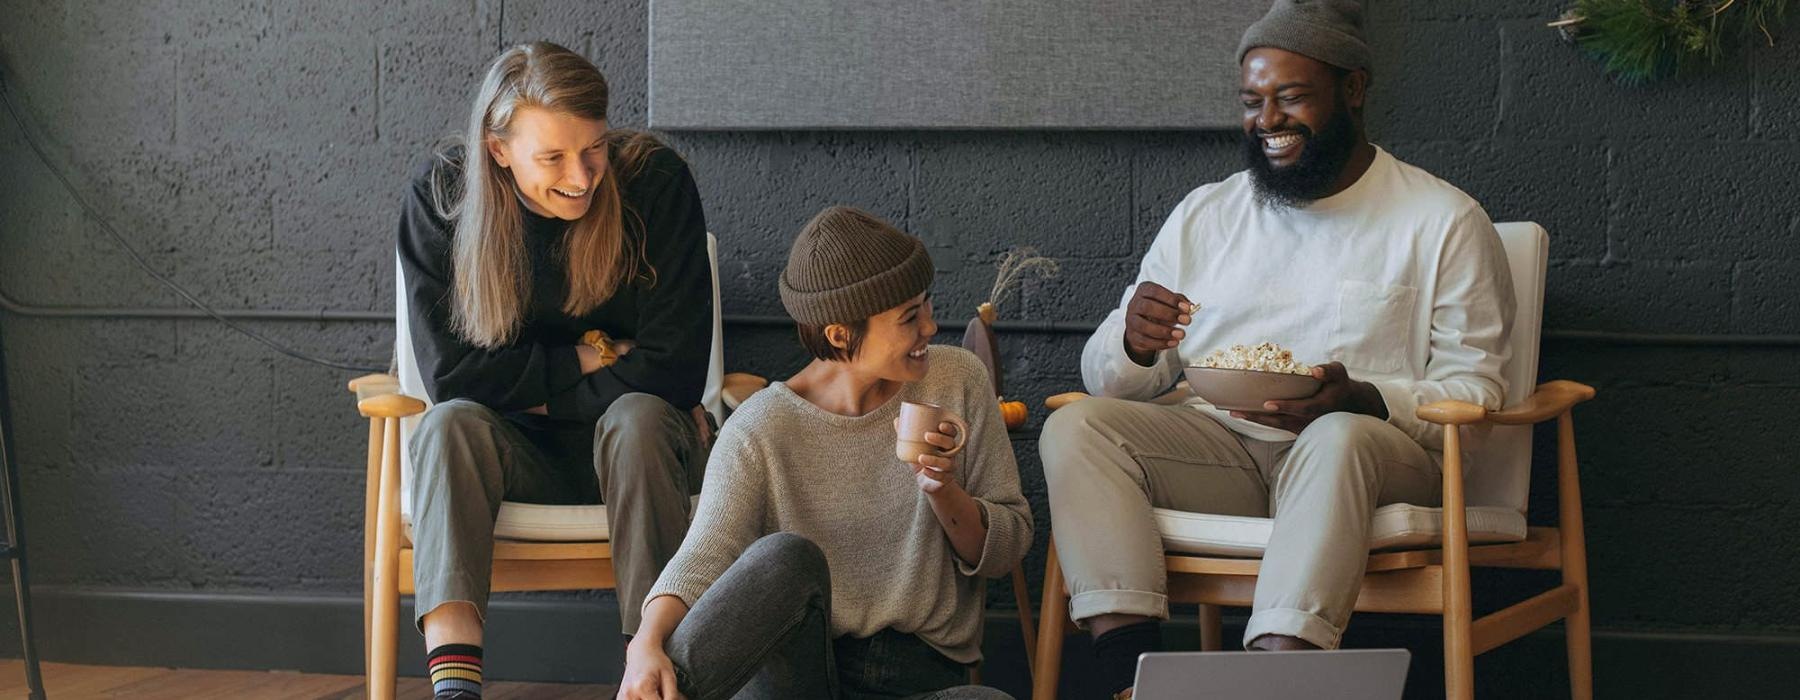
[(782, 464)]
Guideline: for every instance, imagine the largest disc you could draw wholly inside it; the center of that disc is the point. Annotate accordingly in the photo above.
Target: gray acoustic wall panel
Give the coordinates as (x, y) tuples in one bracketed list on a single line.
[(925, 64)]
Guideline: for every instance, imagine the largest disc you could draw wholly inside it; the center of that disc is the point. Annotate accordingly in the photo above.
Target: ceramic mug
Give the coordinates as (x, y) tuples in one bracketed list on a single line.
[(917, 419)]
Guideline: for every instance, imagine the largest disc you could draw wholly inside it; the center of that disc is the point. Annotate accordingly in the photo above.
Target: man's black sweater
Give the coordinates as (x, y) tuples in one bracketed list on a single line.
[(668, 313)]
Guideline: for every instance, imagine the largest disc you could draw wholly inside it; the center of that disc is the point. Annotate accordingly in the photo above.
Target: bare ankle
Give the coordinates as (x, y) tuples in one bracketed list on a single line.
[(455, 622)]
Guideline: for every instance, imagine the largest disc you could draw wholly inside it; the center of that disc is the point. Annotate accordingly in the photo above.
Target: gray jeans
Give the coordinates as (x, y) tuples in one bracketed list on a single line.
[(642, 459), (1108, 463), (763, 630)]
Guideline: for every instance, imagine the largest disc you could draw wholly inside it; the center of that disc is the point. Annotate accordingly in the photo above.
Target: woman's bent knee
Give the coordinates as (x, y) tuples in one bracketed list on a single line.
[(454, 416), (788, 547), (791, 554)]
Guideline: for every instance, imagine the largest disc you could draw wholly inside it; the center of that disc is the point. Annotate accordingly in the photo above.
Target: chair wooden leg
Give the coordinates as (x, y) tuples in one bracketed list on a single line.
[(1581, 661), (371, 504), (386, 615), (1027, 625), (1459, 612), (1053, 624), (1574, 561), (1212, 632)]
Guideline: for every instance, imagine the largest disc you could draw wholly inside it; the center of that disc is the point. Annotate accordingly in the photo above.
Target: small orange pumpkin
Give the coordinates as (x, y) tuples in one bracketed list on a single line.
[(1013, 413)]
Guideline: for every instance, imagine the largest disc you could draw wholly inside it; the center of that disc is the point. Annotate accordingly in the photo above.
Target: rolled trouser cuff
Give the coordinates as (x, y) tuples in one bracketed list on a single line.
[(433, 592), (1117, 602), (1293, 623)]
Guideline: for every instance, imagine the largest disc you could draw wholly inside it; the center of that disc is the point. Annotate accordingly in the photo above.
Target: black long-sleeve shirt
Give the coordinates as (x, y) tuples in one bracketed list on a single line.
[(668, 315)]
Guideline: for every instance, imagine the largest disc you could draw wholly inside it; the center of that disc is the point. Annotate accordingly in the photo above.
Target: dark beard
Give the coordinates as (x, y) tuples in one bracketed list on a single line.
[(1320, 163)]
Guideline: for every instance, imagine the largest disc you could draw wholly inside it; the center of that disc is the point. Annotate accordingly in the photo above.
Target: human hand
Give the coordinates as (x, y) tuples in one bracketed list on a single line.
[(1337, 393), (702, 425), (592, 360), (649, 674), (934, 471), (1152, 318)]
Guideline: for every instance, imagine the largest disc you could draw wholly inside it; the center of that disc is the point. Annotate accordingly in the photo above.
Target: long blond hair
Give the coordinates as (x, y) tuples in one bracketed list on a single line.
[(491, 268)]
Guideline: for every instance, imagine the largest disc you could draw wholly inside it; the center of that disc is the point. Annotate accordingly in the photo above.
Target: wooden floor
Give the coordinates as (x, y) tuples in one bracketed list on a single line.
[(73, 682)]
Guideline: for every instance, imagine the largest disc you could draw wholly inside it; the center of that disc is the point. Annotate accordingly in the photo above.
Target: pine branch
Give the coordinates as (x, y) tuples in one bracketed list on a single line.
[(1642, 40)]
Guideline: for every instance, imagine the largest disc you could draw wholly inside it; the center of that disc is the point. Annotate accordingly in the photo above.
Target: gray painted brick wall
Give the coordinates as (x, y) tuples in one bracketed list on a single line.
[(255, 150)]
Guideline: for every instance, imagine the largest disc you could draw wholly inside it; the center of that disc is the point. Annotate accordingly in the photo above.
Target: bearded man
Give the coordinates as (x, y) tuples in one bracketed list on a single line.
[(1391, 281)]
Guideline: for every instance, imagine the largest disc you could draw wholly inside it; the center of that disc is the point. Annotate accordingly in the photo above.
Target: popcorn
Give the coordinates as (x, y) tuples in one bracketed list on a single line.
[(1264, 357)]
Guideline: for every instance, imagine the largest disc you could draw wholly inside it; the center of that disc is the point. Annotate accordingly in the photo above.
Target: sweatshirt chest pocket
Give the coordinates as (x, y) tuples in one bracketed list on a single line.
[(1374, 325)]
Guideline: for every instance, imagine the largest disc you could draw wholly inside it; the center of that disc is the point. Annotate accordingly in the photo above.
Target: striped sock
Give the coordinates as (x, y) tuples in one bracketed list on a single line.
[(455, 672)]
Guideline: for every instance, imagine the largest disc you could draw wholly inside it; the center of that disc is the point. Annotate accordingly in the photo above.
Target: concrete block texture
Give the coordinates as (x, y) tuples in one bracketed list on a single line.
[(1705, 200), (256, 151), (1165, 168), (172, 21), (1775, 106), (1693, 297), (427, 86), (1552, 92), (473, 20), (1464, 102), (1765, 301), (303, 92)]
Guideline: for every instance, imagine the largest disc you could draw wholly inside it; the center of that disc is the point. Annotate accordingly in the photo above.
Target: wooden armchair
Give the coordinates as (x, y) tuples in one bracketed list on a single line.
[(536, 547), (1421, 556)]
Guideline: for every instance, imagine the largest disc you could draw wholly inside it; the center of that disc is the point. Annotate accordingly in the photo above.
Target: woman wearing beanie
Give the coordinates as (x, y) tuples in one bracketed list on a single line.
[(549, 225), (820, 565)]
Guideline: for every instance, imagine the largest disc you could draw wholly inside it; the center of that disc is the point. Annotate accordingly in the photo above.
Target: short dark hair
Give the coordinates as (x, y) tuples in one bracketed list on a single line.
[(814, 340)]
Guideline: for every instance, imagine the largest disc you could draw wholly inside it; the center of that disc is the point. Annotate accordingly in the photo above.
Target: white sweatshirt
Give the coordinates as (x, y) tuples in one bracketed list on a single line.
[(1401, 277)]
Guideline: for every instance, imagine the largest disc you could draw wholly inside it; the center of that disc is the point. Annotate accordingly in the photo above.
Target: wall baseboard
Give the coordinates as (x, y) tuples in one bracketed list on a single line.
[(577, 640)]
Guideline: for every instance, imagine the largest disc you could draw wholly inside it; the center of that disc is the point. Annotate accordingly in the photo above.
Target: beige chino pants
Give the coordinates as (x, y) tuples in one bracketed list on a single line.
[(1109, 462)]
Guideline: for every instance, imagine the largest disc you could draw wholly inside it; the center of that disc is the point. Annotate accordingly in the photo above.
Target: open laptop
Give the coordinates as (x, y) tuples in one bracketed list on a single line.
[(1355, 674)]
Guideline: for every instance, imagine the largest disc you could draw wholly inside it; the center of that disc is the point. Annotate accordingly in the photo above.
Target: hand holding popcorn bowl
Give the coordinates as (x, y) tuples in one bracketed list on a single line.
[(1243, 378)]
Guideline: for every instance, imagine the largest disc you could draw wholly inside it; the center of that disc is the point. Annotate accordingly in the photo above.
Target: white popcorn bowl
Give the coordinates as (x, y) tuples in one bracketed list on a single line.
[(1245, 389)]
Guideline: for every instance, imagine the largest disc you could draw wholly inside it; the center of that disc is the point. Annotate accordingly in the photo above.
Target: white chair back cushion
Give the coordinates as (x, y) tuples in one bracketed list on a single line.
[(1498, 468), (412, 383)]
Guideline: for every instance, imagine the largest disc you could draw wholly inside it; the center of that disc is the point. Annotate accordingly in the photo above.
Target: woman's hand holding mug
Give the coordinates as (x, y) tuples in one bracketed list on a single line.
[(928, 438)]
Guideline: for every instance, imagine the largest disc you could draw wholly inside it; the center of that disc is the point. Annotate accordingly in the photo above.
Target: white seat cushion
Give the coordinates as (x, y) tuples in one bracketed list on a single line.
[(1396, 526), (541, 523), (536, 522)]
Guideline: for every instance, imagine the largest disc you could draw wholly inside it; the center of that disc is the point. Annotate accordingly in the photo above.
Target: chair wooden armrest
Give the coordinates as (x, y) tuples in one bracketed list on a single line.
[(1551, 399), (367, 381), (390, 406), (378, 396), (1060, 400), (1173, 397), (738, 387)]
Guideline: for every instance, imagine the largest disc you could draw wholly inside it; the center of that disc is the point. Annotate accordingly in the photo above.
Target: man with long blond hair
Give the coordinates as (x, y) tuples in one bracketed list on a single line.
[(559, 297)]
